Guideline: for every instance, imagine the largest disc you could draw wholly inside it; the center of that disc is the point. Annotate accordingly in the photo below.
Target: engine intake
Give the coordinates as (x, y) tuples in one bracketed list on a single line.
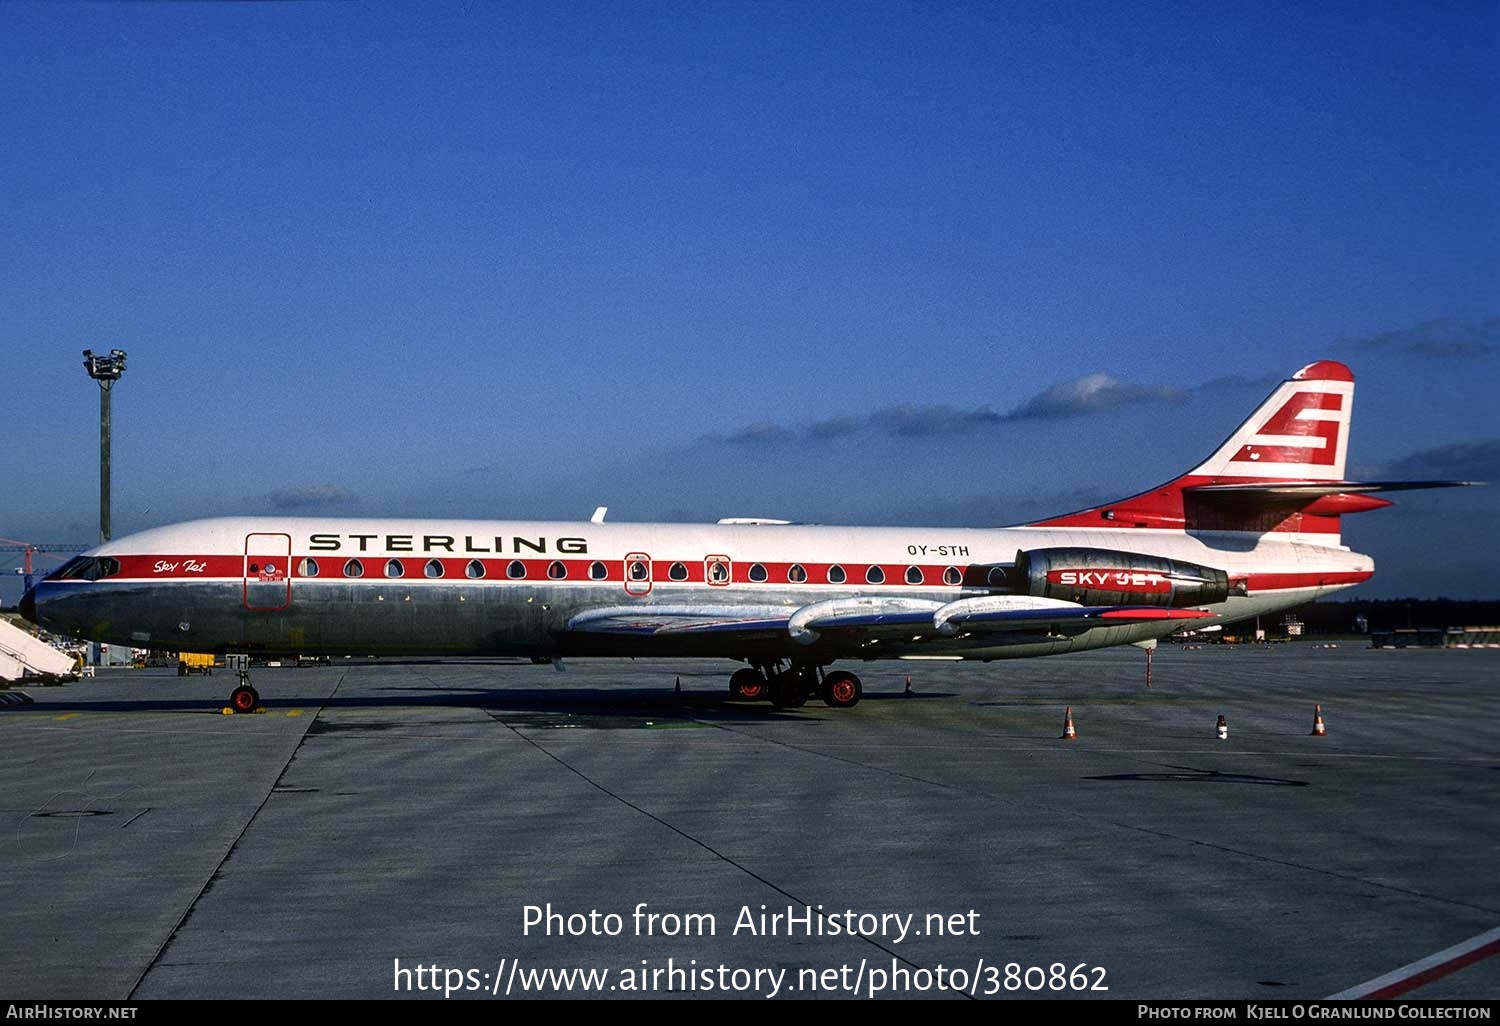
[(1104, 577)]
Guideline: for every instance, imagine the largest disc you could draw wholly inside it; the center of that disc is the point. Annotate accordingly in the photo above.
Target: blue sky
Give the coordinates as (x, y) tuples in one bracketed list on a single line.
[(843, 263)]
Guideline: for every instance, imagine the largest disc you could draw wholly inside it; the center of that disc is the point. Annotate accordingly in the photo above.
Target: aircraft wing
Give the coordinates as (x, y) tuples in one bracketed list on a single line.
[(1081, 618), (657, 620), (874, 617)]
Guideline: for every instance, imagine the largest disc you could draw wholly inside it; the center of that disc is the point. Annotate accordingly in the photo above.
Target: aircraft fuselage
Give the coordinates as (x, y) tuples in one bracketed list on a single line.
[(473, 588)]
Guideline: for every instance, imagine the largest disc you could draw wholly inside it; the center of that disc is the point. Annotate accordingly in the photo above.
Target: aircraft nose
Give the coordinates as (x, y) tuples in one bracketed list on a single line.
[(28, 606)]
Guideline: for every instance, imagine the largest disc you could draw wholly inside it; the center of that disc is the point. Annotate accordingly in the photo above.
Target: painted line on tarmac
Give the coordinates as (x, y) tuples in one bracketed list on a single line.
[(1424, 971)]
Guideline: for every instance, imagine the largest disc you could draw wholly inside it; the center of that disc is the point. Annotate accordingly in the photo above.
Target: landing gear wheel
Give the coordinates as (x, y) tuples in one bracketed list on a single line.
[(842, 690), (747, 685), (244, 699), (789, 690)]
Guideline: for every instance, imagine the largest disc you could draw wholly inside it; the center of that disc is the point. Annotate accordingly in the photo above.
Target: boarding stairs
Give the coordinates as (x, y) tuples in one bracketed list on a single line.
[(23, 657)]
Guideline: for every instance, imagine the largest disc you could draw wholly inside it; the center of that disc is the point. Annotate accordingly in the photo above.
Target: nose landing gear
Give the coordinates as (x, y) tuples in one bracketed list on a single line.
[(244, 698)]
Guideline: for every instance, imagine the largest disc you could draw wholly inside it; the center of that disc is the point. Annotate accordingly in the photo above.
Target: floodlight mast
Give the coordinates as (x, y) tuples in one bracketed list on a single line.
[(106, 370)]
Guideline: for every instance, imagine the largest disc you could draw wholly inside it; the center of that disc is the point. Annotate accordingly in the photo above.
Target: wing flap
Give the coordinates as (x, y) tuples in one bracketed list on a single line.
[(1079, 618), (875, 616), (653, 620), (991, 614)]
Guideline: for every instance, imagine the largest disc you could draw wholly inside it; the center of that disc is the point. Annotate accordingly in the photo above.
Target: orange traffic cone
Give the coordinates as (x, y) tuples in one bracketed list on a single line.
[(1069, 734), (1223, 728), (1318, 729)]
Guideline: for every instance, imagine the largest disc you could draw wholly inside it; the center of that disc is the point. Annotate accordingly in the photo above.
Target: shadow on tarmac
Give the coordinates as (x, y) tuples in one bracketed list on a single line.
[(621, 702)]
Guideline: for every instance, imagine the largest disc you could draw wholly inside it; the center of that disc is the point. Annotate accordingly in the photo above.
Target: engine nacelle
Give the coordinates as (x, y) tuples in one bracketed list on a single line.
[(1104, 577)]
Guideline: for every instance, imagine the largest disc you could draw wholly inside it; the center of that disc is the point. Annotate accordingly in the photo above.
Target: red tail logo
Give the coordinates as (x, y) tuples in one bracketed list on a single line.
[(1322, 436)]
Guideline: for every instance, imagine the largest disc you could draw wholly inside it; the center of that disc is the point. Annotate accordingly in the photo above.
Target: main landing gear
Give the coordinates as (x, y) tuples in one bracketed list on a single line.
[(791, 687)]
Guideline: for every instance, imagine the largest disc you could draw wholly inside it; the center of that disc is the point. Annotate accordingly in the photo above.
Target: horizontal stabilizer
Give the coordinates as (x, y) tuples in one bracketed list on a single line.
[(1311, 489)]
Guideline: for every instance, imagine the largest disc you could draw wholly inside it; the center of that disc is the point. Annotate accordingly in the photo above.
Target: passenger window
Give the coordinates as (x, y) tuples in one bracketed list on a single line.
[(638, 571), (874, 575), (757, 573), (914, 575), (434, 568), (556, 570), (394, 568), (515, 570), (796, 573), (836, 575), (307, 568), (474, 569), (597, 572), (354, 568), (677, 572), (717, 570), (952, 577)]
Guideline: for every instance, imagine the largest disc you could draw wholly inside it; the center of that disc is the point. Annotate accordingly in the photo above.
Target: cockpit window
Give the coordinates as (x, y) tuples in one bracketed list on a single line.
[(87, 568)]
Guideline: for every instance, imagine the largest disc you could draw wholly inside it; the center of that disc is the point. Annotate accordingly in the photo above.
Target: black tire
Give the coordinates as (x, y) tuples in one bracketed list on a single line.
[(244, 699), (182, 669), (788, 690), (842, 690), (747, 685)]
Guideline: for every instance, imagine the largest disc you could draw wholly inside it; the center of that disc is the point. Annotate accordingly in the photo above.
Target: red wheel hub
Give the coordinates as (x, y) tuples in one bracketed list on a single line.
[(843, 690)]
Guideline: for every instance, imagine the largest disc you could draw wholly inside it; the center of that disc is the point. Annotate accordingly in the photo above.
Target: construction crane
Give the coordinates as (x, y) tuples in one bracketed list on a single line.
[(31, 550)]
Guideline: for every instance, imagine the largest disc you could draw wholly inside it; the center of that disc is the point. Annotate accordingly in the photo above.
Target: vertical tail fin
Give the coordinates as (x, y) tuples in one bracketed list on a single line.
[(1299, 435)]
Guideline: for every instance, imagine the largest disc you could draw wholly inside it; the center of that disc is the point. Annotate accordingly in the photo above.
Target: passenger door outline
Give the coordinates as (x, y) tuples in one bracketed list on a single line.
[(637, 580), (267, 588), (718, 571)]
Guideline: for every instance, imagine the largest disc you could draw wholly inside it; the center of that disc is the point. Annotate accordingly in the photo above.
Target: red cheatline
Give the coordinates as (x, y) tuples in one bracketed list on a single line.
[(1422, 972)]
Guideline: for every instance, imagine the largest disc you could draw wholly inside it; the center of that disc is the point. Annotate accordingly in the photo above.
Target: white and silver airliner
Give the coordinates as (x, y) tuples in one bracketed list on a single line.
[(1251, 530)]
